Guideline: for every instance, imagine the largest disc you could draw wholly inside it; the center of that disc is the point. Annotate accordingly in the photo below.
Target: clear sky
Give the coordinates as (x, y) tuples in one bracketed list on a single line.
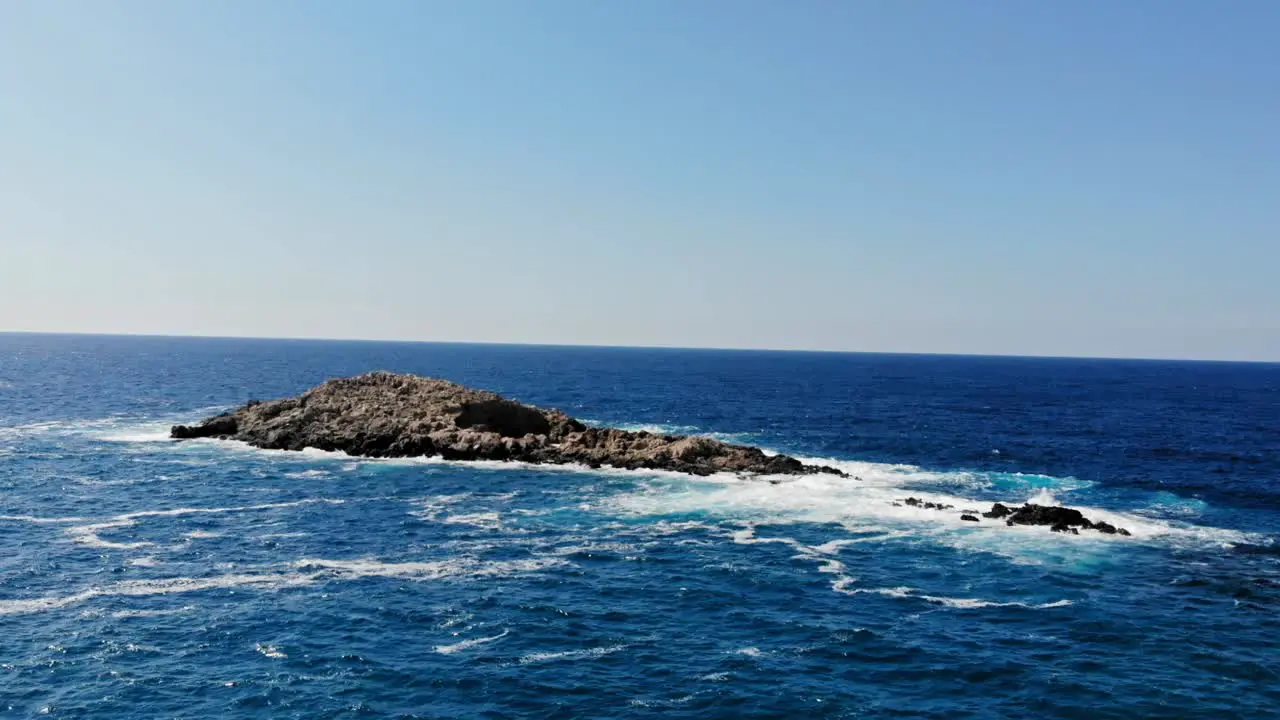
[(1083, 177)]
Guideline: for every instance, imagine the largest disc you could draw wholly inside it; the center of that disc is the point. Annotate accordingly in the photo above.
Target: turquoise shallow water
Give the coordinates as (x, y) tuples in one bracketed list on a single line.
[(146, 578)]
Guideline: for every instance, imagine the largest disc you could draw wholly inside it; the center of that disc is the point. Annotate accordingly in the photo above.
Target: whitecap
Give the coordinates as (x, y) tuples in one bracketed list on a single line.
[(306, 474), (467, 644), (483, 520), (951, 602), (122, 614), (542, 657), (270, 651)]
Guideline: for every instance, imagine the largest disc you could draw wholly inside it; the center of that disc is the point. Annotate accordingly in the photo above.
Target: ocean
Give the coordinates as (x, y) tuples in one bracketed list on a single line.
[(145, 578)]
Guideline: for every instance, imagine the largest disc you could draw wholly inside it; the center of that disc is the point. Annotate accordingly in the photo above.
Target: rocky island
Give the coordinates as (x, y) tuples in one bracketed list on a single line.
[(383, 414)]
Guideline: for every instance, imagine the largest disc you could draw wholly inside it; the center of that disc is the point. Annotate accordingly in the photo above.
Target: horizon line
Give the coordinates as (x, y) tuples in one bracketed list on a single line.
[(499, 343)]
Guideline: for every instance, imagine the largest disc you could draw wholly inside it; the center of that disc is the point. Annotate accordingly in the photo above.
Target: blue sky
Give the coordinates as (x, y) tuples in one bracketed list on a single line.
[(1060, 178)]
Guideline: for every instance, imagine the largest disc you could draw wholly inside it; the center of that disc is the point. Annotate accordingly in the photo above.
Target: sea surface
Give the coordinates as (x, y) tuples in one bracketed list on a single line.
[(144, 578)]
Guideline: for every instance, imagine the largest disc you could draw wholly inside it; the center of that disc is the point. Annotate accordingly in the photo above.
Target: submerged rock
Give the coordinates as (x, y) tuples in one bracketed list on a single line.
[(969, 518), (384, 414), (917, 502)]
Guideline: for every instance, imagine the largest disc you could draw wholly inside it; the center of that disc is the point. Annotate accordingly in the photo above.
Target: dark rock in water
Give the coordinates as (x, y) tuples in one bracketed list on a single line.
[(917, 502), (1031, 514), (998, 511), (1059, 519), (1109, 529), (224, 425), (970, 518), (385, 414)]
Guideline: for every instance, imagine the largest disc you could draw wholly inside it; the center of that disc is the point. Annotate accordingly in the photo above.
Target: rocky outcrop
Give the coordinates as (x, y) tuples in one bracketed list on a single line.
[(385, 414), (998, 511), (1059, 519)]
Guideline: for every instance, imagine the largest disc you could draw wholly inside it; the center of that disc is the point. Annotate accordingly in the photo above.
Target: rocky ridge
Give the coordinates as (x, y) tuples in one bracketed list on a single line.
[(383, 414)]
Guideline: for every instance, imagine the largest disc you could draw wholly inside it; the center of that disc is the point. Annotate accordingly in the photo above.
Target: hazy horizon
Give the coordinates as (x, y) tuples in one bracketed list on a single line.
[(702, 348), (1055, 180)]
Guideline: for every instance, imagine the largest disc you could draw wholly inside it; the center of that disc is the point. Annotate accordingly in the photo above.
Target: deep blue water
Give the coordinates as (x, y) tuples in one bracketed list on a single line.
[(142, 578)]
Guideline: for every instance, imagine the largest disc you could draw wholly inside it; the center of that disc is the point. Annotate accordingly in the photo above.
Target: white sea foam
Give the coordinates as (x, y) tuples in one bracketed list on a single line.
[(749, 651), (306, 474), (122, 614), (483, 520), (270, 651), (305, 572), (114, 428), (628, 550), (951, 602), (41, 520), (89, 534), (139, 588), (542, 657), (872, 504), (201, 535), (137, 436), (467, 644), (431, 570)]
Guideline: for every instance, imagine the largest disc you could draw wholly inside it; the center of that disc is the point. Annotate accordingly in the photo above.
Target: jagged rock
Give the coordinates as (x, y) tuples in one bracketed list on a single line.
[(970, 518), (384, 414), (1059, 519), (998, 511), (1032, 514)]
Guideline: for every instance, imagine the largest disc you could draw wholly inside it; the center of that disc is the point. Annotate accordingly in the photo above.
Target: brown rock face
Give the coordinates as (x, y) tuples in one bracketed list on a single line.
[(385, 414)]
